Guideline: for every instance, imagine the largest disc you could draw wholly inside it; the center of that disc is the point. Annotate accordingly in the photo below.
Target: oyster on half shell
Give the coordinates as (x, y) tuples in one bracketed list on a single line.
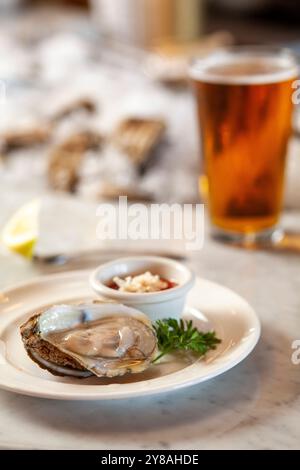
[(102, 339)]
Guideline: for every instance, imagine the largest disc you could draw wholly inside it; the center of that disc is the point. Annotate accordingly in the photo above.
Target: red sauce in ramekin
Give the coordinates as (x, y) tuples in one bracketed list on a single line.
[(170, 285)]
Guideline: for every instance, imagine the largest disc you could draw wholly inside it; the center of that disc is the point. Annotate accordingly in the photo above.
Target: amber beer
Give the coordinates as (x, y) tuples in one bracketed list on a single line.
[(245, 106)]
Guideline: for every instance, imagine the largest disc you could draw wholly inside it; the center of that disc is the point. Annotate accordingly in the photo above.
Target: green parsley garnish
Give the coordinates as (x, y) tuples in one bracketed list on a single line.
[(173, 335)]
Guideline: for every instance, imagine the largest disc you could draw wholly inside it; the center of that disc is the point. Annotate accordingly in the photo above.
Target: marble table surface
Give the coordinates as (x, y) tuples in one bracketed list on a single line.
[(255, 405)]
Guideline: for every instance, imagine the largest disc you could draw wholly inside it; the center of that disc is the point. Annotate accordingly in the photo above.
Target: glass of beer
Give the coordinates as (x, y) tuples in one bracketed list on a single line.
[(244, 103)]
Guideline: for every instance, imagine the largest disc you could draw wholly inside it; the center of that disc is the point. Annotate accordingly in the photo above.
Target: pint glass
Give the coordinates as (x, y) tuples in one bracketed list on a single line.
[(244, 103)]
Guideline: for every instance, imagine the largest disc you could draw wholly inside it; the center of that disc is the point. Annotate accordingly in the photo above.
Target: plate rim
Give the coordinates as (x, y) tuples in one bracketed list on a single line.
[(120, 395)]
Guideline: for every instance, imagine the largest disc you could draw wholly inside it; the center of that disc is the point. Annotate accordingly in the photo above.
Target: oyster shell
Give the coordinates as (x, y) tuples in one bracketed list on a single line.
[(104, 339)]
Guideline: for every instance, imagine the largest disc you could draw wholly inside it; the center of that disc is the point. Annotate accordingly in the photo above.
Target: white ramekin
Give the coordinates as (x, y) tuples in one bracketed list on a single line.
[(157, 305)]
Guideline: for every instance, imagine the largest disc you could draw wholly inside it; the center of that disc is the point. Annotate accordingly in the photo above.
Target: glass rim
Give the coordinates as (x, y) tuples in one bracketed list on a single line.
[(198, 64), (246, 49)]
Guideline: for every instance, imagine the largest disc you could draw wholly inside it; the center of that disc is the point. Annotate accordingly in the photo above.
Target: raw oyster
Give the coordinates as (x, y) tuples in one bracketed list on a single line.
[(104, 339)]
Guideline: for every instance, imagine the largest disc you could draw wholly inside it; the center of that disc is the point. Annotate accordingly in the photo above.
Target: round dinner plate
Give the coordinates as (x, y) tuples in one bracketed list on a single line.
[(209, 305)]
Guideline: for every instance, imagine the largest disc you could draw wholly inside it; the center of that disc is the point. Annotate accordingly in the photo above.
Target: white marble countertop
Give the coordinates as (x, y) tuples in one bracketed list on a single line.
[(255, 405)]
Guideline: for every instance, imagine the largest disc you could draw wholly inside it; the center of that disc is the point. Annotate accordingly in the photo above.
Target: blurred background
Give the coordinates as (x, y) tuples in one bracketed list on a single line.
[(95, 99)]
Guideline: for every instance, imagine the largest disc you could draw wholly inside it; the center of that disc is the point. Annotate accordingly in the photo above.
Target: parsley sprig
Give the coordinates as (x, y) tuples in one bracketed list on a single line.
[(173, 335)]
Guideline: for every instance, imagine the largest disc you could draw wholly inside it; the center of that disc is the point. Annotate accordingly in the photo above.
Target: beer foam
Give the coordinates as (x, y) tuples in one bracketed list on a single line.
[(244, 69)]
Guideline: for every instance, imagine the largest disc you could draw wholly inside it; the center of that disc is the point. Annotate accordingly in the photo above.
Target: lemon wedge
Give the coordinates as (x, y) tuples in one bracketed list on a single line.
[(20, 233)]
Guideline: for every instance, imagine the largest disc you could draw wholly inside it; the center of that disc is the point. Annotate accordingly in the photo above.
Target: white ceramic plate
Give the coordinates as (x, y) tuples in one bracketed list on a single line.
[(209, 305)]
